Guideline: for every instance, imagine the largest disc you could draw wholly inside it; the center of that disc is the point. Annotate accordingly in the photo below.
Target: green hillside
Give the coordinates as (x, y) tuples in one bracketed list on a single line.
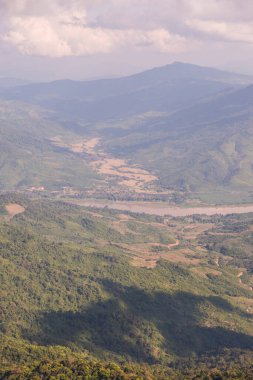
[(69, 277), (27, 156), (204, 150)]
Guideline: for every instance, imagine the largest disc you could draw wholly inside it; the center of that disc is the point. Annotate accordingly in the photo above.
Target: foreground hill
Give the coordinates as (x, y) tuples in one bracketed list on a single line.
[(118, 285)]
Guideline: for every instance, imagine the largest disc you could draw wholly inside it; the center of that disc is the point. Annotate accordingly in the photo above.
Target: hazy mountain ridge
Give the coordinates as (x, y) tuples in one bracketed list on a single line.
[(161, 89)]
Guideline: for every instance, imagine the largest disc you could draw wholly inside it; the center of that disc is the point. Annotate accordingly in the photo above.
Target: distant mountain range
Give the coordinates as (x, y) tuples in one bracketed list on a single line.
[(164, 89), (189, 125)]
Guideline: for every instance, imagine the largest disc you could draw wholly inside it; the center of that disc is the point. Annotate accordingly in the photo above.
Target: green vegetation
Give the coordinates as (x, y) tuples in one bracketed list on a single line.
[(67, 280), (207, 159), (29, 159), (232, 239), (95, 370), (27, 361)]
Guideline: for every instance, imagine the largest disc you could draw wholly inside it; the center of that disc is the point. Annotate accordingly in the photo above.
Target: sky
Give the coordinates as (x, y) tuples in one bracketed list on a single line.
[(87, 39)]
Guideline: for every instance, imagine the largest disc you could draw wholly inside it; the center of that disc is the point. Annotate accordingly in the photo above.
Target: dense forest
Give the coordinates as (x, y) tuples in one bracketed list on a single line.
[(78, 284)]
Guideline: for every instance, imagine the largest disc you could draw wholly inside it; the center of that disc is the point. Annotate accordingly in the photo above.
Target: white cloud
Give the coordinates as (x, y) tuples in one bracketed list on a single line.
[(160, 39), (67, 32), (37, 36), (237, 32), (59, 28)]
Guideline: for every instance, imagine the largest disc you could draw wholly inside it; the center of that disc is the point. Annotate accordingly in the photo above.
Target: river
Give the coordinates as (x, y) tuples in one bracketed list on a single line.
[(162, 209)]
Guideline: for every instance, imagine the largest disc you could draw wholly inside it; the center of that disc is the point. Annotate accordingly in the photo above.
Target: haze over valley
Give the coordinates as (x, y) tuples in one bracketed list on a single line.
[(174, 133), (126, 191)]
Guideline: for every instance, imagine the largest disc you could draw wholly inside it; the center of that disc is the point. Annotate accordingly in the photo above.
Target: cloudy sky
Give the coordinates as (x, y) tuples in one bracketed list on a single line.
[(81, 39)]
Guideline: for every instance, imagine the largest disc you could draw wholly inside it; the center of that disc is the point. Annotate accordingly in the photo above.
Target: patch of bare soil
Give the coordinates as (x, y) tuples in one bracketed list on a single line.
[(239, 277), (124, 217), (85, 146), (144, 263), (240, 274), (172, 245), (14, 209)]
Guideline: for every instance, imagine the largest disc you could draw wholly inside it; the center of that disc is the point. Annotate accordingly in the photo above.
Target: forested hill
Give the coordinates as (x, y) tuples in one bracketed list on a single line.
[(120, 286)]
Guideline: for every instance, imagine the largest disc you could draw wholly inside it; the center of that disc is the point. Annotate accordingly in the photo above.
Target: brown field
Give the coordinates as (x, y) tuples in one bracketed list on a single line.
[(124, 173), (81, 146), (132, 177), (85, 146), (14, 209)]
